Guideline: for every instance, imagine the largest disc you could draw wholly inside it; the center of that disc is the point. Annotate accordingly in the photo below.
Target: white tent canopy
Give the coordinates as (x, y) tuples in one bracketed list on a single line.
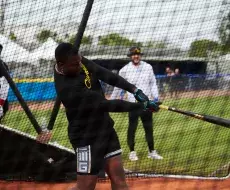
[(12, 52), (45, 51), (225, 57)]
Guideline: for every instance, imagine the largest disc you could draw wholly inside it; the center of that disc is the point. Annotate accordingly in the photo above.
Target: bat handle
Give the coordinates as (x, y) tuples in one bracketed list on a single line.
[(163, 107)]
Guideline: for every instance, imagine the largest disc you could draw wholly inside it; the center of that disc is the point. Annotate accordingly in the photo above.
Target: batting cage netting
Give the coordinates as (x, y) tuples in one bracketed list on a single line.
[(184, 48)]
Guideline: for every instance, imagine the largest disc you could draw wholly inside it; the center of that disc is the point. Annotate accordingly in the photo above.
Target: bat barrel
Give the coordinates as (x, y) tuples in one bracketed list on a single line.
[(208, 118)]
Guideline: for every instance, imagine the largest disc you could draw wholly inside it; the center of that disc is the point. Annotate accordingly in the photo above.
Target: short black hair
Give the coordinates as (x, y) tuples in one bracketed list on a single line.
[(63, 51)]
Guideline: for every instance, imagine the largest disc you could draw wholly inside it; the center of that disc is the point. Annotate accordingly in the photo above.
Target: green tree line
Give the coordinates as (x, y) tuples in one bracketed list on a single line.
[(198, 48)]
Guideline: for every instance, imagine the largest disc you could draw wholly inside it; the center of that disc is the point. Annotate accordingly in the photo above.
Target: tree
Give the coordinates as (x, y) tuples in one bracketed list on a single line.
[(201, 48), (45, 34), (224, 33), (115, 39), (86, 40), (156, 45), (2, 15), (12, 36)]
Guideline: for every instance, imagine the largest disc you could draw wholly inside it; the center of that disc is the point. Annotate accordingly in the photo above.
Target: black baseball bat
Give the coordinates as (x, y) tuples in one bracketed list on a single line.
[(208, 118)]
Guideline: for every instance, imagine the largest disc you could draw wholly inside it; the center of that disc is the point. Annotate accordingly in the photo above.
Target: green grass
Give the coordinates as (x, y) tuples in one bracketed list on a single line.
[(189, 146)]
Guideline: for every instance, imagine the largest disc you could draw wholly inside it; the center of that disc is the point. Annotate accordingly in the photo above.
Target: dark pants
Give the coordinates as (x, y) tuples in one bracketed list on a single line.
[(147, 120), (5, 108)]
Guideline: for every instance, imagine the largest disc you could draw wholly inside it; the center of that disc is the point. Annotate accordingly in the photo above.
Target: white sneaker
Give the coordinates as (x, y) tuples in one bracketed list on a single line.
[(154, 155), (133, 156)]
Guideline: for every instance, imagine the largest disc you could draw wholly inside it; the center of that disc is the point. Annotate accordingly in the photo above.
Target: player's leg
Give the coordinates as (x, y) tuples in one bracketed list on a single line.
[(85, 182), (113, 163), (132, 127), (147, 120), (114, 169), (90, 159)]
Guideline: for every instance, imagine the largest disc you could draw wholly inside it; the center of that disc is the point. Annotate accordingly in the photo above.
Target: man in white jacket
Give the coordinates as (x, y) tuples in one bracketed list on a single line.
[(4, 88), (141, 75)]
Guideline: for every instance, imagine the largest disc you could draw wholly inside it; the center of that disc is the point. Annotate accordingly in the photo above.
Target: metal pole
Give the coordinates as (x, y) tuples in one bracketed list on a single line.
[(20, 98), (77, 44)]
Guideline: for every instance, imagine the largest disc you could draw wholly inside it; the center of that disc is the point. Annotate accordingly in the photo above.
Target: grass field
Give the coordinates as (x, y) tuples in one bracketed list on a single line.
[(189, 146)]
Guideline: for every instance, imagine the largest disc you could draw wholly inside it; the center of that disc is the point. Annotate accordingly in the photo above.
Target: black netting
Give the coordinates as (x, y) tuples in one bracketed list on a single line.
[(192, 36)]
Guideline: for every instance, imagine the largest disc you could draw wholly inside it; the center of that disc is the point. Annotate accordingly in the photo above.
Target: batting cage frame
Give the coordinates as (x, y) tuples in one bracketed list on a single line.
[(206, 86)]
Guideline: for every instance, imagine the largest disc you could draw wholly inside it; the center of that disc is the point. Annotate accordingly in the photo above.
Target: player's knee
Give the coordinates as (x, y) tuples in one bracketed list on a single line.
[(118, 181), (122, 185), (86, 184), (116, 172)]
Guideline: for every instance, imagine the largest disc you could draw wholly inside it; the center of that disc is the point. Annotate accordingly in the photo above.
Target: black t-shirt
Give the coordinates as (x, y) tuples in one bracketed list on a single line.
[(87, 110)]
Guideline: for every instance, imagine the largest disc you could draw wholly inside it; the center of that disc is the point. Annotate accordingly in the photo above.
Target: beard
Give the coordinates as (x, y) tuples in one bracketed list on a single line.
[(136, 61), (71, 70)]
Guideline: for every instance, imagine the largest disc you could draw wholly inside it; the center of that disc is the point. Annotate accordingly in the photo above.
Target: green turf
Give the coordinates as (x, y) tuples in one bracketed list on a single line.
[(189, 146)]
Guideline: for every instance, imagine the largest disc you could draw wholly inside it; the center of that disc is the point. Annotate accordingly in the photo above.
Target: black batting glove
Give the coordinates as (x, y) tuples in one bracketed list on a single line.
[(151, 106), (140, 96)]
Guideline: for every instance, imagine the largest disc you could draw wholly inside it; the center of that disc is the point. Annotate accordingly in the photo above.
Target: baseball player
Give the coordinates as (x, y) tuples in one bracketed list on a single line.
[(4, 89), (141, 75), (90, 129)]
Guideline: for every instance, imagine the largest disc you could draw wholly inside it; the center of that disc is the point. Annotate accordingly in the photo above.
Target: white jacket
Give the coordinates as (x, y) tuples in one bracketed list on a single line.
[(142, 77), (4, 88)]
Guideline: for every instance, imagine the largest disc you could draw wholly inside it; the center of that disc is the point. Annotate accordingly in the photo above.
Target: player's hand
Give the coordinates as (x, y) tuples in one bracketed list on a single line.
[(151, 106), (1, 111), (156, 100), (44, 137), (140, 96)]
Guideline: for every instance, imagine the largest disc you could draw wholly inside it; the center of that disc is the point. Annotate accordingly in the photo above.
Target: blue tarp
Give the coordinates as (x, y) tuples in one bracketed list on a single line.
[(42, 91), (34, 91)]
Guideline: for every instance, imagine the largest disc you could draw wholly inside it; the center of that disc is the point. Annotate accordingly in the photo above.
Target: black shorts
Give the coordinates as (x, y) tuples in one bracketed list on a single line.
[(91, 157)]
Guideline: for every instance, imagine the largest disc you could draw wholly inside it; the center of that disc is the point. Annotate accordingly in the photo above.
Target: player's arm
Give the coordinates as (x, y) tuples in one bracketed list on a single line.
[(108, 76), (114, 79), (125, 106), (94, 101)]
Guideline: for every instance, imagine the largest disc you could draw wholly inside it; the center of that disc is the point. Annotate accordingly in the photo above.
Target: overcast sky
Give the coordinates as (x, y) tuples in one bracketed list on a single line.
[(177, 21)]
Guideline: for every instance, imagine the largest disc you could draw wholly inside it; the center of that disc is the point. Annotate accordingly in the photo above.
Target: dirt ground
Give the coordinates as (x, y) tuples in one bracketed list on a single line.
[(134, 184)]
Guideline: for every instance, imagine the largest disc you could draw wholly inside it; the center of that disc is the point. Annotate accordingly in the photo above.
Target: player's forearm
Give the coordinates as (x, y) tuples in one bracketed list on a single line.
[(120, 106), (108, 76)]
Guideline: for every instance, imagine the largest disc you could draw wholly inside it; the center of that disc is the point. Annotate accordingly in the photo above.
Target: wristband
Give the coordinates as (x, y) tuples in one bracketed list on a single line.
[(156, 100), (2, 102), (135, 91)]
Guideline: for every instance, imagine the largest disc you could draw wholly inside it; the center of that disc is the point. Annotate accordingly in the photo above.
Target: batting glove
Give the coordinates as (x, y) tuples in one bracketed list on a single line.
[(151, 106), (156, 100), (140, 96)]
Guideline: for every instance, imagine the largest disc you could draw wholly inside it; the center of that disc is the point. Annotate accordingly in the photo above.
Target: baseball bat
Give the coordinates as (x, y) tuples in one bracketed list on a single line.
[(208, 118)]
